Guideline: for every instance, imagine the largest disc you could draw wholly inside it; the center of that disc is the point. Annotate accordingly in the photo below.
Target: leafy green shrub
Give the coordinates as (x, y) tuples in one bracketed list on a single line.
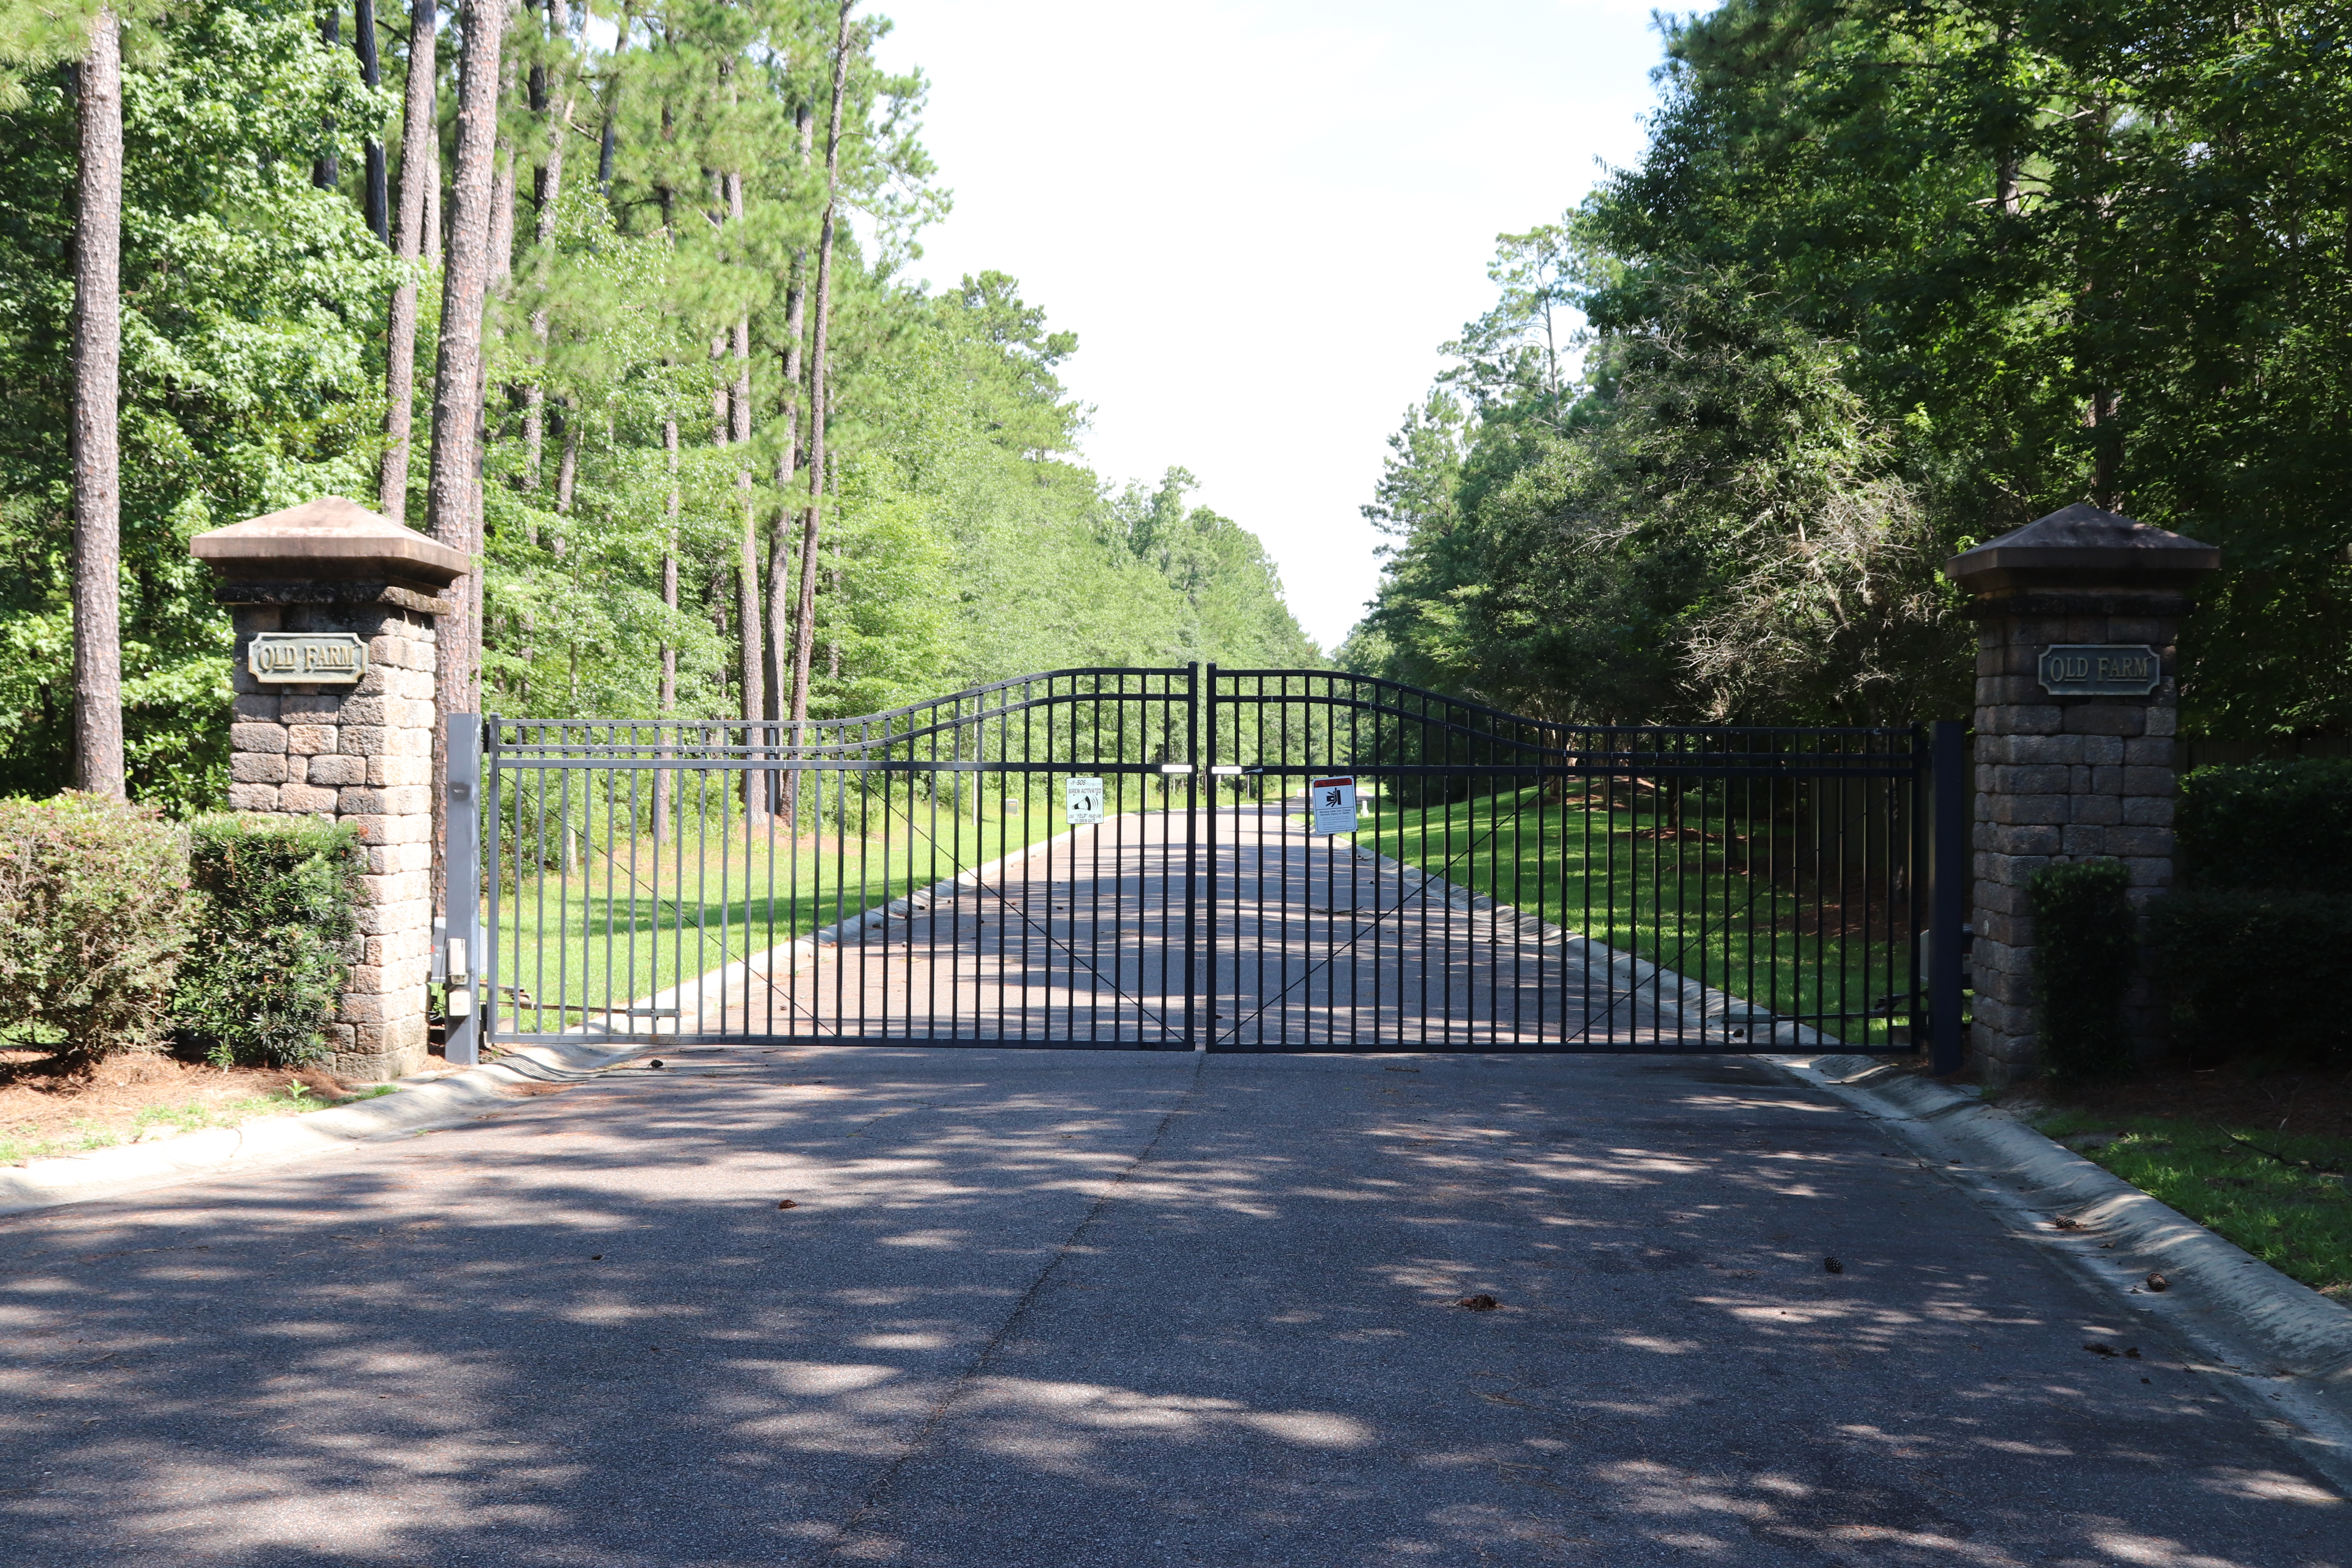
[(93, 896), (277, 913), (2277, 825), (2248, 969), (2085, 941)]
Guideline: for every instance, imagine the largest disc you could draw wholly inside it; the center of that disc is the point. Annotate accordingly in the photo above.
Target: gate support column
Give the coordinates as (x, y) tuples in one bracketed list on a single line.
[(461, 881), (334, 610), (2076, 710)]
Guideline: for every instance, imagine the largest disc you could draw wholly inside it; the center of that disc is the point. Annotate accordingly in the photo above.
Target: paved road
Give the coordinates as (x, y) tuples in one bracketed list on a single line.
[(1311, 942), (1064, 1309)]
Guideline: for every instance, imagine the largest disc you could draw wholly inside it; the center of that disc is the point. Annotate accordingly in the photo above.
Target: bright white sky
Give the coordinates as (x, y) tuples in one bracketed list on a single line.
[(1262, 216)]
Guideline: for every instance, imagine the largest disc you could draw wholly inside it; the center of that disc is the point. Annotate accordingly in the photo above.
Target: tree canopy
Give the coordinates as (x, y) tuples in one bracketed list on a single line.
[(646, 389), (1893, 276)]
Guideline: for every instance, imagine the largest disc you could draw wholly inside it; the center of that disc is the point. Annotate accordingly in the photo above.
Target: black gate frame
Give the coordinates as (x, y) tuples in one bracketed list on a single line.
[(1237, 730)]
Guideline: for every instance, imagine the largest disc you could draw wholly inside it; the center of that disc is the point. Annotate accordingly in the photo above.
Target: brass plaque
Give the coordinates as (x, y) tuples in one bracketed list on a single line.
[(2100, 670), (307, 658)]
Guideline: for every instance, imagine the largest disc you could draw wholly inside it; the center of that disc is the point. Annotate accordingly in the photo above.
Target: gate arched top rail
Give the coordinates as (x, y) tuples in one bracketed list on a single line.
[(1559, 745), (1517, 743), (853, 738)]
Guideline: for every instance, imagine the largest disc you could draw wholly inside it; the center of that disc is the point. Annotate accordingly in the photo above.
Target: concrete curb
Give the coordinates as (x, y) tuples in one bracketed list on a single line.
[(2232, 1304), (439, 1103)]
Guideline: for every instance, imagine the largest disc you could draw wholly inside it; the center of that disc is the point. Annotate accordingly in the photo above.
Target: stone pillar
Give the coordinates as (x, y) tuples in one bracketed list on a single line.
[(2075, 712), (334, 609)]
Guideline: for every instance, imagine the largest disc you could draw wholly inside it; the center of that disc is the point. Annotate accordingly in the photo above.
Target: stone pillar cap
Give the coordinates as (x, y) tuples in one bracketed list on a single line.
[(327, 540), (2083, 546)]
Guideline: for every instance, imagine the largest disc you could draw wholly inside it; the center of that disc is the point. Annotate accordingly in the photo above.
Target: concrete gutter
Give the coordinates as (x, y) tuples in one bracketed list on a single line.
[(421, 1106), (2249, 1318)]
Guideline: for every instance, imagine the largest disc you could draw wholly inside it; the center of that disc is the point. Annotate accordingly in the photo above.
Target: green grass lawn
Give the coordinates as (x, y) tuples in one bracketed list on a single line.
[(1665, 890), (634, 917), (2297, 1218)]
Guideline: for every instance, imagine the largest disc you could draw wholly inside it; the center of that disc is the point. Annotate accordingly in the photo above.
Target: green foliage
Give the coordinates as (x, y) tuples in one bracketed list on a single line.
[(92, 921), (276, 913), (2285, 825), (2085, 944), (1889, 279), (2257, 971), (250, 302), (2256, 947), (958, 538)]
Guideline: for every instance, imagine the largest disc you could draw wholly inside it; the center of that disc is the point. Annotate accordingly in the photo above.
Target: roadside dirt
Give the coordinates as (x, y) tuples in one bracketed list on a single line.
[(41, 1109), (2313, 1102)]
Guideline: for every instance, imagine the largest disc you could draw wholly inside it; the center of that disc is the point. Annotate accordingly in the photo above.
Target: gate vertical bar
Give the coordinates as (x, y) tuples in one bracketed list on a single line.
[(1193, 1041), (462, 885), (1948, 894), (1205, 762)]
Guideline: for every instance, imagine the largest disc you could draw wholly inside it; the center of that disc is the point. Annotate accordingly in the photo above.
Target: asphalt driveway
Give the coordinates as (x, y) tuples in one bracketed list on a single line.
[(1051, 1309)]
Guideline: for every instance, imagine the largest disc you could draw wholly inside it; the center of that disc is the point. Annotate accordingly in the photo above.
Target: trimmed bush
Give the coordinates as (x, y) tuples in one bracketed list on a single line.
[(93, 897), (2086, 943), (2248, 968), (2285, 826), (277, 914)]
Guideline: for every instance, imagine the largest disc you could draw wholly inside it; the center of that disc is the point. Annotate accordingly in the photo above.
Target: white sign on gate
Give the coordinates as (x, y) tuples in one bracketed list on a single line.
[(1333, 801), (1086, 801)]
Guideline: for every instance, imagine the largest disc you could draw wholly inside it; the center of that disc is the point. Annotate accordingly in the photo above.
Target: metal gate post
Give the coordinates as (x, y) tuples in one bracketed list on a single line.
[(1950, 871), (462, 885)]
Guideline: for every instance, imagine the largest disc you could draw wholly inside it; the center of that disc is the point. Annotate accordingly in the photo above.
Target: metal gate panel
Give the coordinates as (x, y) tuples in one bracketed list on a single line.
[(931, 875), (1520, 885), (908, 875)]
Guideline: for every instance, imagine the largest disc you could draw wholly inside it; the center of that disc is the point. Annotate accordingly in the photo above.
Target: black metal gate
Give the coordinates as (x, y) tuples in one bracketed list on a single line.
[(1231, 860)]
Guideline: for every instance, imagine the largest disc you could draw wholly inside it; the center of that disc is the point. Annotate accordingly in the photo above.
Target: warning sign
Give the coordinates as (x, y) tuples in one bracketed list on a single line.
[(1086, 801), (1333, 801)]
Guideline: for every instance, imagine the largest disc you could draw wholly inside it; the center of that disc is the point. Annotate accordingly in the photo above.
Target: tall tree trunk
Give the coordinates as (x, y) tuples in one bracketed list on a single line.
[(804, 611), (325, 171), (608, 144), (452, 510), (780, 540), (97, 450), (501, 248), (372, 72), (502, 213), (669, 694), (436, 225), (549, 192), (832, 467), (748, 617), (419, 175), (567, 467)]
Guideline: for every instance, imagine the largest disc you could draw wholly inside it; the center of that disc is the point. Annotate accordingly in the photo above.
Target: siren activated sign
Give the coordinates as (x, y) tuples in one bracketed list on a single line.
[(1333, 802), (316, 659), (1086, 801), (2100, 670)]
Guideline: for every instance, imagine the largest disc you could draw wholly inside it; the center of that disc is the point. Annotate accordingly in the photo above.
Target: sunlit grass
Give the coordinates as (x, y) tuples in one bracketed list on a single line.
[(1672, 888), (635, 916)]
